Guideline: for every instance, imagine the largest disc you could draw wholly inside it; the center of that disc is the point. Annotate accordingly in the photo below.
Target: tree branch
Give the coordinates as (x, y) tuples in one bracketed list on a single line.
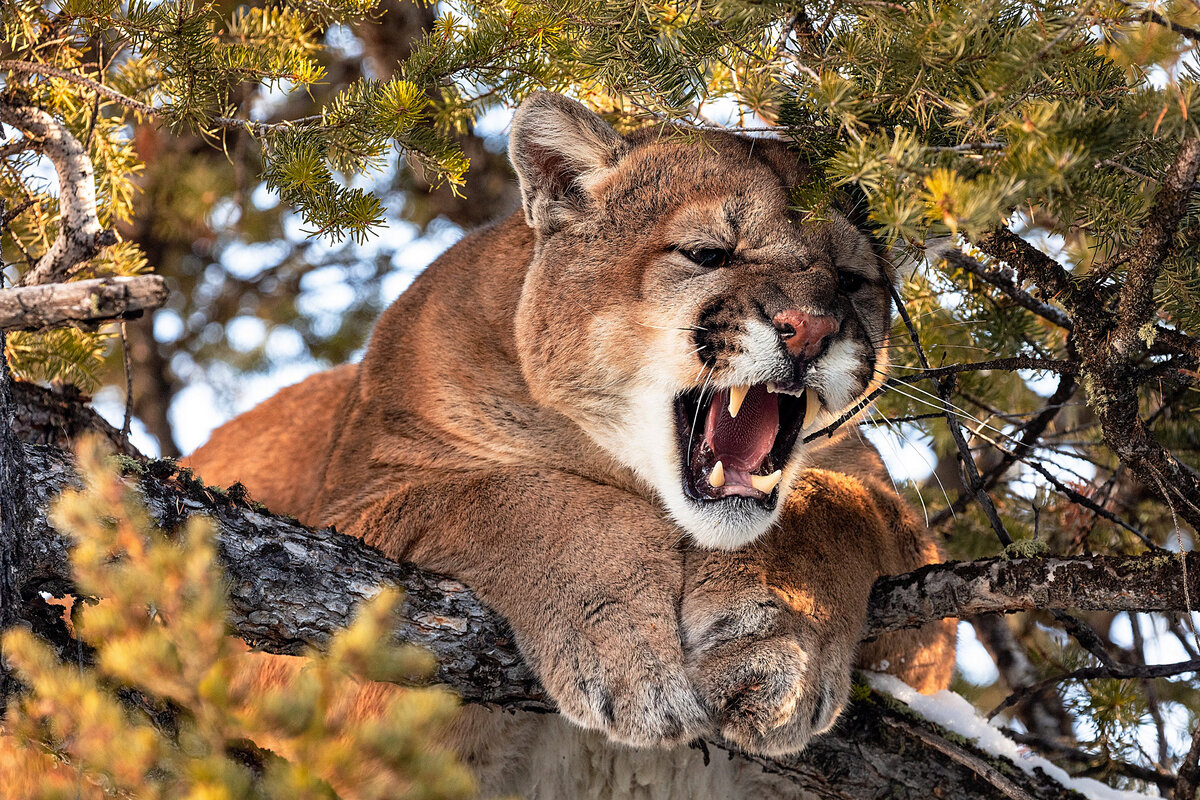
[(14, 512), (1154, 582), (1104, 339), (80, 303), (970, 471), (258, 128), (292, 587), (80, 235), (1137, 300), (1031, 264), (1004, 282)]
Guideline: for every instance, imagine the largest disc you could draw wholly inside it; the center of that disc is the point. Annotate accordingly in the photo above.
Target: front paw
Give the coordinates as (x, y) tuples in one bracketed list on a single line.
[(771, 676), (772, 695), (636, 693)]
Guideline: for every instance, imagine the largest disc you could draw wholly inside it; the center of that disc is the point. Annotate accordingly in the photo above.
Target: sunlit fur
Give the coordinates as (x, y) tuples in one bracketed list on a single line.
[(511, 425)]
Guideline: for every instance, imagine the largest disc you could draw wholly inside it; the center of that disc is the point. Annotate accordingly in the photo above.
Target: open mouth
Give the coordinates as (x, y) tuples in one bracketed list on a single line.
[(735, 442)]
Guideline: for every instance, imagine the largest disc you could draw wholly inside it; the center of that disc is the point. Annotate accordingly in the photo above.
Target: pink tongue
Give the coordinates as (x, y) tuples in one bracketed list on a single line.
[(742, 442)]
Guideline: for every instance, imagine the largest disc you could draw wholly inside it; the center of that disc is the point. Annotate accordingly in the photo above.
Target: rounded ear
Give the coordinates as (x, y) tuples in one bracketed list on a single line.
[(558, 148)]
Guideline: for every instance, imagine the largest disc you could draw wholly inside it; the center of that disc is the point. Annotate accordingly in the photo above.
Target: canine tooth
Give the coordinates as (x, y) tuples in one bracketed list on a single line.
[(737, 394), (772, 388), (716, 478), (765, 483), (812, 407)]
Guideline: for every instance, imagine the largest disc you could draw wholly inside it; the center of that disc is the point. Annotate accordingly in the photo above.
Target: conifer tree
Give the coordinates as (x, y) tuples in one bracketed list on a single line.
[(1032, 165)]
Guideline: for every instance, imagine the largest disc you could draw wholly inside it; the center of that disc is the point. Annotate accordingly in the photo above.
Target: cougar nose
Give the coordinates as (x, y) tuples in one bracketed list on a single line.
[(803, 334)]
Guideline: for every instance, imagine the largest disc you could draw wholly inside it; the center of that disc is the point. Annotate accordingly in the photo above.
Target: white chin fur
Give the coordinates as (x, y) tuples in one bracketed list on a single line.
[(721, 525)]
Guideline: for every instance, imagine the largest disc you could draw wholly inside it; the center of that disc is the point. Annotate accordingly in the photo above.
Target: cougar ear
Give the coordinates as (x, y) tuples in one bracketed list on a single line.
[(558, 149)]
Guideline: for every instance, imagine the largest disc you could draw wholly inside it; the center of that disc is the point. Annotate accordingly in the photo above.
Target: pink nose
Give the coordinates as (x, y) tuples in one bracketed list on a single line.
[(803, 334)]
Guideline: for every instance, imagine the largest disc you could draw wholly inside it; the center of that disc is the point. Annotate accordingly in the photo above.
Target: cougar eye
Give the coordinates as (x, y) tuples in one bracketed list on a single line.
[(849, 281), (709, 257)]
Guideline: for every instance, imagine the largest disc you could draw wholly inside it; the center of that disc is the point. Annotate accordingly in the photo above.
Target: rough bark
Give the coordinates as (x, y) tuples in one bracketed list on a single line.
[(58, 416), (14, 512), (291, 587), (1151, 582), (79, 304)]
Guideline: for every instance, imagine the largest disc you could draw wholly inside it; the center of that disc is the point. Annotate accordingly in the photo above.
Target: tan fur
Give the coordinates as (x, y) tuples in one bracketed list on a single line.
[(503, 428)]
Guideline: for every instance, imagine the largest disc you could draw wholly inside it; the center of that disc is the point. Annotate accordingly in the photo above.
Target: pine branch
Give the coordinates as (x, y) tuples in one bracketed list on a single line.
[(34, 68), (80, 235), (82, 304), (997, 277), (257, 128), (1031, 264)]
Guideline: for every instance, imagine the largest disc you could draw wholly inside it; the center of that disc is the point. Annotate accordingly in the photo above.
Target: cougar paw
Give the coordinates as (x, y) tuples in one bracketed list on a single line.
[(771, 696), (638, 700)]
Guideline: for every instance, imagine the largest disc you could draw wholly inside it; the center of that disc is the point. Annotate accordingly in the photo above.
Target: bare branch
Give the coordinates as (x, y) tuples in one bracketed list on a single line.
[(1002, 281), (971, 479), (1159, 19), (80, 235), (1029, 434), (1114, 670), (1043, 714), (80, 303), (1153, 582)]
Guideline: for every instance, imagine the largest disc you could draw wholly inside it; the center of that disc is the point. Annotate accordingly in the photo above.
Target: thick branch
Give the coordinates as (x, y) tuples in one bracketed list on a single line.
[(1109, 366), (80, 235), (14, 511), (81, 303), (292, 587)]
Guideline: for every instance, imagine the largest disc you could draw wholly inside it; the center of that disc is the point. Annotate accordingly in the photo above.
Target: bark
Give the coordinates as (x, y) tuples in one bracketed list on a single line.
[(1158, 581), (80, 235), (58, 416), (81, 303), (291, 587), (14, 512)]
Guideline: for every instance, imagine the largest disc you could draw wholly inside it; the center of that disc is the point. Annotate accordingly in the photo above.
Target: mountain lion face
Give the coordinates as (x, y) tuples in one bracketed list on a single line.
[(685, 315)]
